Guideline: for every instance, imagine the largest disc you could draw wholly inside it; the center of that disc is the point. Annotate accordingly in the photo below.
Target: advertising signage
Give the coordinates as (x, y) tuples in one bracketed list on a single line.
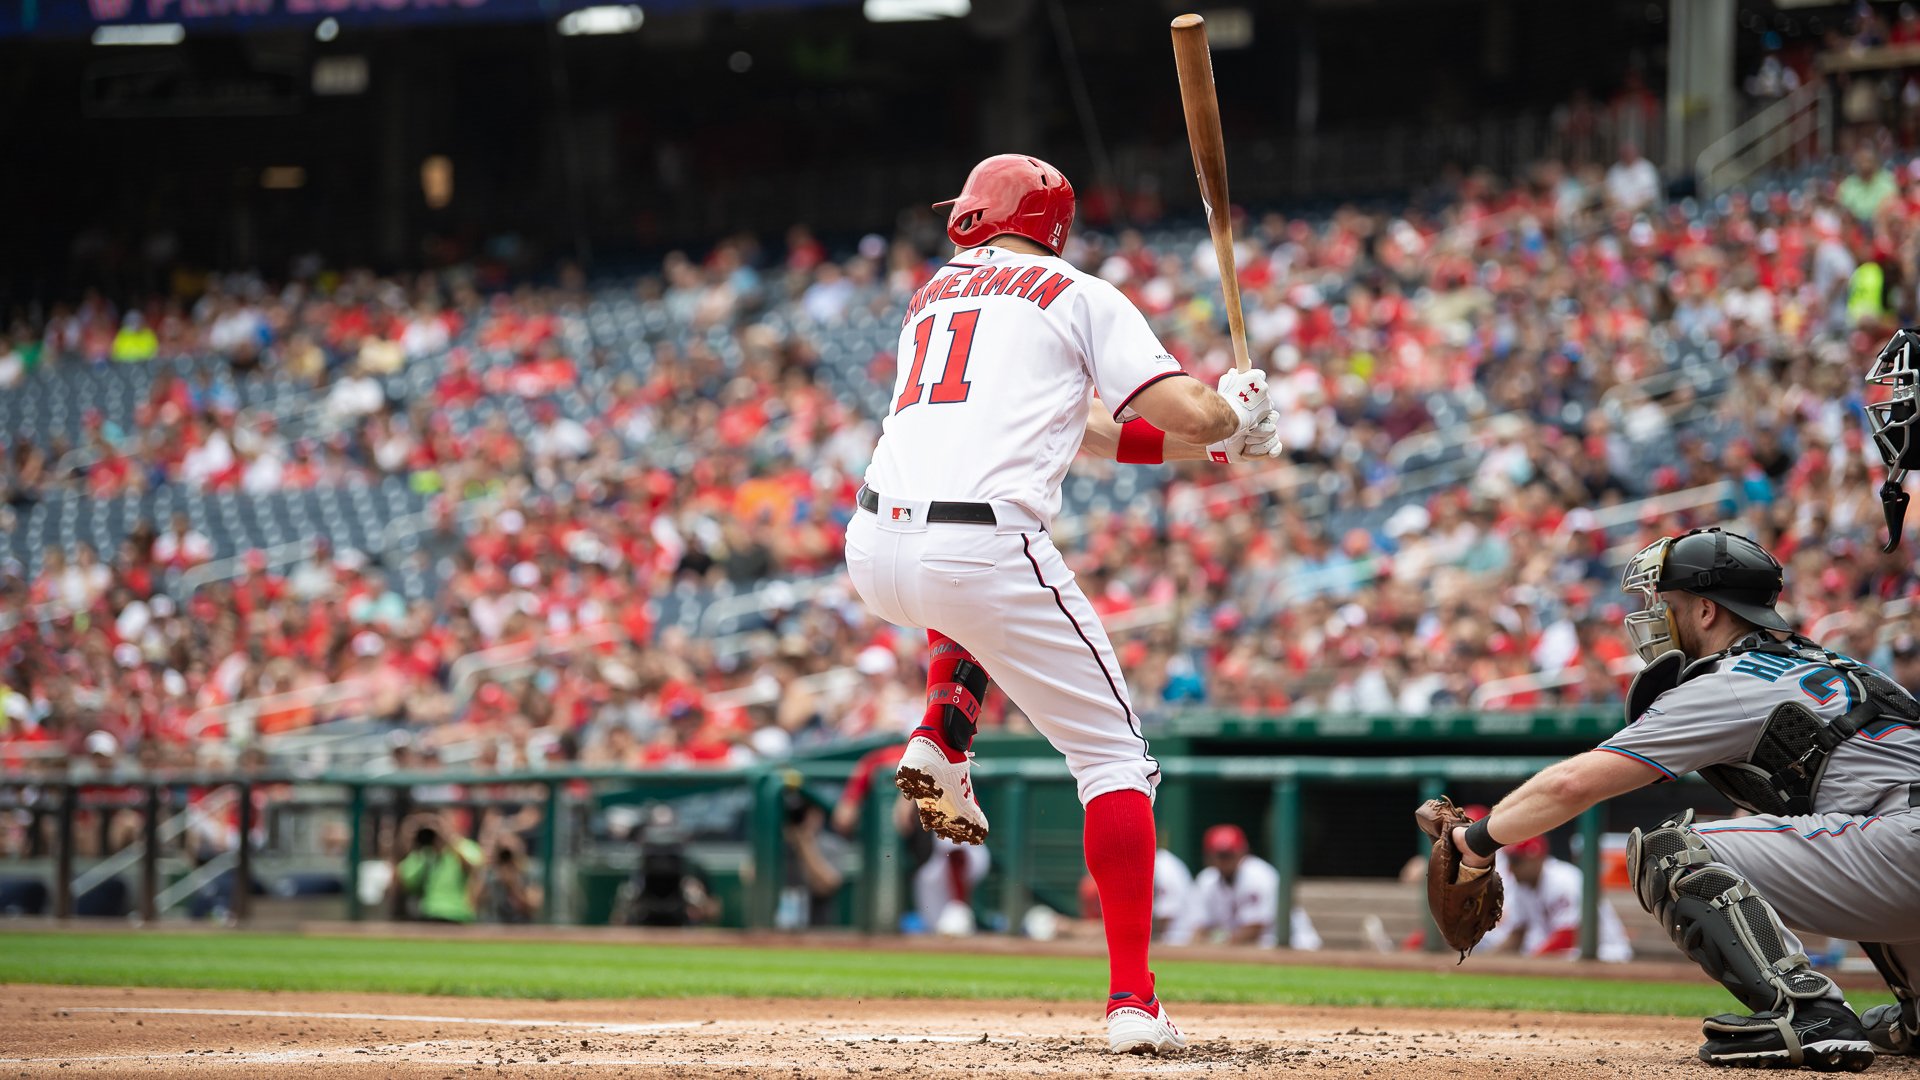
[(79, 18)]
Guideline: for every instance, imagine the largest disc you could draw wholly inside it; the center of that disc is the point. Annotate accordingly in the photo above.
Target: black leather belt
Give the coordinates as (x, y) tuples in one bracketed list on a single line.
[(938, 513)]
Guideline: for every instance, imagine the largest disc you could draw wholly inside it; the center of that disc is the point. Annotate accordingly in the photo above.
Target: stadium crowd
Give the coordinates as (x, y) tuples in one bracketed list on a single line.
[(1535, 324)]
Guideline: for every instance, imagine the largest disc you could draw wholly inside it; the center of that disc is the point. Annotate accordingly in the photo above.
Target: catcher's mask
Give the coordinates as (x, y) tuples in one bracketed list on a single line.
[(1891, 421), (1650, 630), (1731, 570)]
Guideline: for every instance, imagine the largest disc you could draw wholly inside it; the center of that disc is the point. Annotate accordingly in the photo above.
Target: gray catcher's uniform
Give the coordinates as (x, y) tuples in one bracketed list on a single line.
[(1844, 862)]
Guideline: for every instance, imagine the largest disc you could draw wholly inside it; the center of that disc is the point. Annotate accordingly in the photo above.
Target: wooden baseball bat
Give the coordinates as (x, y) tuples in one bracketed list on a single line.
[(1195, 64)]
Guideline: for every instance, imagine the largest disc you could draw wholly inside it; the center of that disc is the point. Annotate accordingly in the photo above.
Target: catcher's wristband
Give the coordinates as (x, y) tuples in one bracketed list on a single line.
[(1480, 841), (1141, 443)]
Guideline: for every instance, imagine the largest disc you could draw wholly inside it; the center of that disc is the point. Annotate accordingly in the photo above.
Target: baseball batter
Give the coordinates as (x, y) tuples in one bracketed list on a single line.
[(1002, 354), (1825, 754)]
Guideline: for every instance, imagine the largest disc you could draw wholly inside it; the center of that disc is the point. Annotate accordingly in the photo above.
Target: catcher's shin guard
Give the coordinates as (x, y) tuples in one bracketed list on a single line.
[(1716, 918)]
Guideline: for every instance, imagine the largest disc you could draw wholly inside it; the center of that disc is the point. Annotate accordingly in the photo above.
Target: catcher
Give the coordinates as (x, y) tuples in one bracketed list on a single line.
[(1821, 749)]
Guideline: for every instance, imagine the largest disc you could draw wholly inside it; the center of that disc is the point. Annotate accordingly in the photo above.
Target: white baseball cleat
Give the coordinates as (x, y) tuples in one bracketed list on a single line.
[(1134, 1027), (942, 790)]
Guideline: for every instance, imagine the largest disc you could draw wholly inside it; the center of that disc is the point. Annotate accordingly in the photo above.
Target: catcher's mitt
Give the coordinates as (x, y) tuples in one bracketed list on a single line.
[(1465, 900)]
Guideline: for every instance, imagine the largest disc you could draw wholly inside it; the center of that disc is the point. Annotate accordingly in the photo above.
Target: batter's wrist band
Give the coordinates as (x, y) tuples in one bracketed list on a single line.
[(1141, 443), (1480, 841)]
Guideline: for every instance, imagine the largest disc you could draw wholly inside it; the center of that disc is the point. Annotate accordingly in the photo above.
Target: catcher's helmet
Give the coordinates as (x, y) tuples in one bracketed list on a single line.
[(1011, 193), (1726, 568)]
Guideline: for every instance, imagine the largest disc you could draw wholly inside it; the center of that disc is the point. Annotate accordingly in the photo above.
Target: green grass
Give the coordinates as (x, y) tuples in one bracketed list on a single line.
[(552, 970)]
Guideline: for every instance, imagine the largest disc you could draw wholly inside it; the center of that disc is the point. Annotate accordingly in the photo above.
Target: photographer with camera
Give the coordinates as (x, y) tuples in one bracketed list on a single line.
[(435, 876), (815, 854), (501, 892), (667, 887)]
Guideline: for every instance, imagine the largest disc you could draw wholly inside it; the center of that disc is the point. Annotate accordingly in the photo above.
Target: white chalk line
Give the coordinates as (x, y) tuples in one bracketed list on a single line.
[(928, 1037), (439, 1052), (401, 1018)]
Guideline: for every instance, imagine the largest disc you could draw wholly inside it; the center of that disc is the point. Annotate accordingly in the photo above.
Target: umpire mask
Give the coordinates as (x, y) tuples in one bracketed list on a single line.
[(1650, 630), (1891, 421)]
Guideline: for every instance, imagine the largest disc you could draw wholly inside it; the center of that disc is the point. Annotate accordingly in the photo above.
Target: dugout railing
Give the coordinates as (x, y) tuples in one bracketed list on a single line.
[(1011, 788)]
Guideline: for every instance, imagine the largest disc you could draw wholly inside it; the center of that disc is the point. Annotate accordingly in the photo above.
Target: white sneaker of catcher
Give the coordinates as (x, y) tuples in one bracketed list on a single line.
[(943, 790), (1142, 1028)]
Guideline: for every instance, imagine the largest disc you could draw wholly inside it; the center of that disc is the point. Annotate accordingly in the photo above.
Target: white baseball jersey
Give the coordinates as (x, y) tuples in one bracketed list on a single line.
[(1172, 881), (999, 354), (1216, 905), (1547, 915)]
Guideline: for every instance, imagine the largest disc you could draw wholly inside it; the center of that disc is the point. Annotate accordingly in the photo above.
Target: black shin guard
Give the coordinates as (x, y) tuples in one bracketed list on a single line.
[(1716, 918), (959, 704)]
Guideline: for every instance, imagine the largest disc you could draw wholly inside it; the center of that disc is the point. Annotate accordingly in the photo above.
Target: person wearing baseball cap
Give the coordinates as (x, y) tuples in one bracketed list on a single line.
[(1542, 916), (1821, 750), (1236, 899)]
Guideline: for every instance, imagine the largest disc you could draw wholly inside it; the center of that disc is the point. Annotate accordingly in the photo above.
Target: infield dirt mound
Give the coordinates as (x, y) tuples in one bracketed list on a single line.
[(91, 1031)]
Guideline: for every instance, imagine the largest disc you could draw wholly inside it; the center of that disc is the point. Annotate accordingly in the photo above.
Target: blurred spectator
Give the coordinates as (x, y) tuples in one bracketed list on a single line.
[(181, 545), (1868, 187), (1236, 898), (135, 342), (13, 365), (1633, 184), (1906, 662)]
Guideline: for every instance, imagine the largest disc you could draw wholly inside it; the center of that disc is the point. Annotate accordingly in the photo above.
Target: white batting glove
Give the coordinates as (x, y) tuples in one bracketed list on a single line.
[(1246, 391), (1261, 442)]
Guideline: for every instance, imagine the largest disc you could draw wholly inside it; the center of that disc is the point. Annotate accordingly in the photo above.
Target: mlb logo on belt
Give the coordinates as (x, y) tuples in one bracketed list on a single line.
[(903, 513)]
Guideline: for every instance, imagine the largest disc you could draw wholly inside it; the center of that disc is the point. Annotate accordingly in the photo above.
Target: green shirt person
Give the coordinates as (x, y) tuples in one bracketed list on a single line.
[(1865, 291), (436, 872), (1867, 188), (135, 343)]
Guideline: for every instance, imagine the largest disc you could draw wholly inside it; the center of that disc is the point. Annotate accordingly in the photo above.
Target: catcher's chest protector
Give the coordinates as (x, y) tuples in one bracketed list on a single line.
[(1783, 771)]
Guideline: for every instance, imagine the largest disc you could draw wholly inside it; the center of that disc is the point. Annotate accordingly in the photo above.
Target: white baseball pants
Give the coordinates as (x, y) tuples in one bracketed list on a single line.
[(1005, 595)]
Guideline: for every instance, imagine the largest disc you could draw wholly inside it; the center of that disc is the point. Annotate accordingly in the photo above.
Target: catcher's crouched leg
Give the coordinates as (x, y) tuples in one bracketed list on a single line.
[(1895, 1028), (1716, 918)]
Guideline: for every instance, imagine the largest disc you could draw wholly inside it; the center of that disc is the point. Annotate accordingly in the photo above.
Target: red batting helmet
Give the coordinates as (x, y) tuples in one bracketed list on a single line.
[(1012, 193)]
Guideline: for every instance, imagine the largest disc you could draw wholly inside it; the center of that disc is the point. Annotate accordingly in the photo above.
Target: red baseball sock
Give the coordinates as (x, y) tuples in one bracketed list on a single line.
[(1120, 848), (955, 684)]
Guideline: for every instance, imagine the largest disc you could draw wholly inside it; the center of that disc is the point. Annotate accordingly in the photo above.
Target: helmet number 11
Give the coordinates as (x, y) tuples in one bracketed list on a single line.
[(953, 385)]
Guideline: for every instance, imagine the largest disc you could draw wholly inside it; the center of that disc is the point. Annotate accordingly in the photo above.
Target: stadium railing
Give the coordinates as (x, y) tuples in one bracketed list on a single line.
[(1796, 128), (1496, 689), (517, 659), (246, 712), (1010, 786)]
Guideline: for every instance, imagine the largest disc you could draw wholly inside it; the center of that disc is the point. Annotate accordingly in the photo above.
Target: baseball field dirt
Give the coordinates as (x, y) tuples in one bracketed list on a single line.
[(92, 1031)]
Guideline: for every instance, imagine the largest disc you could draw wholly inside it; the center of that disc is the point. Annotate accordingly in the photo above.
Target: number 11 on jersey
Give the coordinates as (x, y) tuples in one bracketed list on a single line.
[(953, 385)]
